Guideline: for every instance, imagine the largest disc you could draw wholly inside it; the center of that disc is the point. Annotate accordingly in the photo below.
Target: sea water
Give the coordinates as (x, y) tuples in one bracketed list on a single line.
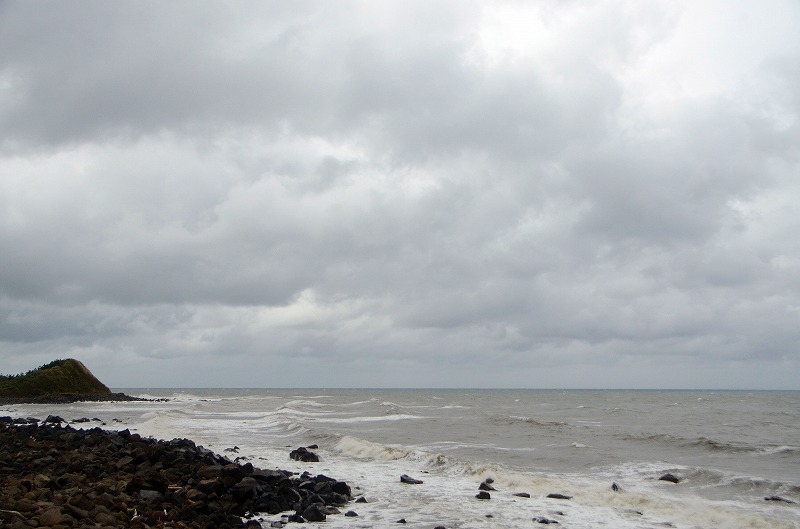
[(730, 450)]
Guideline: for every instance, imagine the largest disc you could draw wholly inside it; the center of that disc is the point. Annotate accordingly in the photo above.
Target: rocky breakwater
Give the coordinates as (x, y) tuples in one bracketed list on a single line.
[(54, 476)]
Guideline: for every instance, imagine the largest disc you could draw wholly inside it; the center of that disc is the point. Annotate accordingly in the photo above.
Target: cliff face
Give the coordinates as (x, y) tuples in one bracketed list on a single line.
[(61, 377)]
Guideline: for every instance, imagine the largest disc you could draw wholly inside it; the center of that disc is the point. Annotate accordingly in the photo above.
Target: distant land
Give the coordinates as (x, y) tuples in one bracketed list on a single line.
[(60, 381)]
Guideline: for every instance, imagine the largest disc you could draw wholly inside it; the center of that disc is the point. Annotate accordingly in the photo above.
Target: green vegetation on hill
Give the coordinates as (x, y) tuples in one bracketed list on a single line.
[(60, 377)]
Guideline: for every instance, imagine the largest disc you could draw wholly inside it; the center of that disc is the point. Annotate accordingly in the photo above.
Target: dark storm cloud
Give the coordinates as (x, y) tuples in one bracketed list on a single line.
[(374, 194)]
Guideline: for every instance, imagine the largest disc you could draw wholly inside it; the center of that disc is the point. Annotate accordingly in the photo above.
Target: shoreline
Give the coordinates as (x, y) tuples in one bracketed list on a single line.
[(69, 398), (60, 476)]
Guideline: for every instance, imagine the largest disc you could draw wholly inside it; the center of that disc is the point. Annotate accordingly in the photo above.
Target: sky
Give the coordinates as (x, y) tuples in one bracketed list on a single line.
[(543, 194)]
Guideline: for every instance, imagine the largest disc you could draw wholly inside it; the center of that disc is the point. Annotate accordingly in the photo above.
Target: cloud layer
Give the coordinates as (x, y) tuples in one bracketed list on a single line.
[(563, 194)]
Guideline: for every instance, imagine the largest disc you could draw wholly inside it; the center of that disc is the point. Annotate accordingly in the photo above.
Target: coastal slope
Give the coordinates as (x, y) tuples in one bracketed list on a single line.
[(59, 381)]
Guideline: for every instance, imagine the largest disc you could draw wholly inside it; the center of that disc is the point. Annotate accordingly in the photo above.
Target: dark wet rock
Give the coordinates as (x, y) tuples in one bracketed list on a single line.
[(543, 520), (147, 479), (440, 527), (351, 514), (486, 486), (51, 516), (616, 488), (409, 480), (58, 476), (557, 496), (53, 419), (401, 520), (483, 495), (778, 498), (669, 477), (304, 455), (521, 495), (362, 499), (77, 397), (315, 513)]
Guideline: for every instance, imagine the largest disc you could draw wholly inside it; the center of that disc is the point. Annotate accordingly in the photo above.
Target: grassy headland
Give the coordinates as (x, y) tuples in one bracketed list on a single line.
[(60, 377)]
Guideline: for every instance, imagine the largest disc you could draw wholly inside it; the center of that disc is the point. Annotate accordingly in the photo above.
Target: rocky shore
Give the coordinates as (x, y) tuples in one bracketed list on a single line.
[(61, 477), (70, 398)]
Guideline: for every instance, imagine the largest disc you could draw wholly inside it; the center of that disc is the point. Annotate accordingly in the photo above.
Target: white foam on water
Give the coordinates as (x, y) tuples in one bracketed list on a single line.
[(303, 402), (381, 418), (447, 496), (359, 402)]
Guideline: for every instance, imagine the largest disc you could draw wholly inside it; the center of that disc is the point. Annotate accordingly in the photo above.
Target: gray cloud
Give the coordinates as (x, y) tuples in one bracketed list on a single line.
[(446, 195)]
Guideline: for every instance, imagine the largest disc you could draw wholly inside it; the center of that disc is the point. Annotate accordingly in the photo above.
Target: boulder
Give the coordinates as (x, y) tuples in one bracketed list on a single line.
[(409, 480), (304, 455), (315, 513), (557, 496)]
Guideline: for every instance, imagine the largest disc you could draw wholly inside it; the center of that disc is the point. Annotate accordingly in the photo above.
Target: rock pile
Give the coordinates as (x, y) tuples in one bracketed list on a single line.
[(54, 476)]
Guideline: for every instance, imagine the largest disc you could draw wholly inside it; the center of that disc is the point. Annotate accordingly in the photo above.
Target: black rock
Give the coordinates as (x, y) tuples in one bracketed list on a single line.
[(340, 487), (351, 514), (147, 479), (362, 499), (483, 495), (778, 498), (164, 481), (616, 488), (669, 477), (542, 519), (304, 455), (315, 513), (557, 496), (521, 495), (486, 486), (401, 520), (409, 480), (53, 419)]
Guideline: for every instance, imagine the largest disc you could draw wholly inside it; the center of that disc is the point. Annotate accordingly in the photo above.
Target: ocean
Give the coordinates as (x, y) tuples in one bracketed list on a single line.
[(730, 450)]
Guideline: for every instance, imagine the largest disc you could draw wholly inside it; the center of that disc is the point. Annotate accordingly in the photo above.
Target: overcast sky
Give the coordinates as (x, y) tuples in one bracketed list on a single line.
[(422, 194)]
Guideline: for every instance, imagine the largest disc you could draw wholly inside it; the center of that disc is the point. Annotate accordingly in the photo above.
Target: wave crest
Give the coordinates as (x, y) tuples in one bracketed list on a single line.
[(529, 421)]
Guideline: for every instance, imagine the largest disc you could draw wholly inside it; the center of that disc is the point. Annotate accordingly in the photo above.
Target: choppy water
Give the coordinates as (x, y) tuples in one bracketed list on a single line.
[(730, 449)]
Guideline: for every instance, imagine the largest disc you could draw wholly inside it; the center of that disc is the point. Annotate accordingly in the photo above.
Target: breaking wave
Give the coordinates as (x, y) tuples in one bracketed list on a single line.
[(529, 421), (707, 443)]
